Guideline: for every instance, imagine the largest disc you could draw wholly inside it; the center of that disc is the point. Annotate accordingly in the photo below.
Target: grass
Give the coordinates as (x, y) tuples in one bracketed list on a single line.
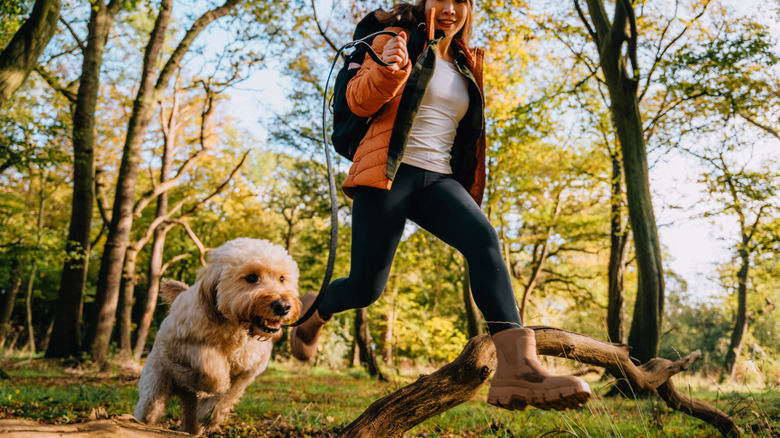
[(295, 400)]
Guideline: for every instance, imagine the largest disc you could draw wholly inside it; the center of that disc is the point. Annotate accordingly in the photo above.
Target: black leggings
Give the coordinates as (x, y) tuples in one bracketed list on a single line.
[(439, 204)]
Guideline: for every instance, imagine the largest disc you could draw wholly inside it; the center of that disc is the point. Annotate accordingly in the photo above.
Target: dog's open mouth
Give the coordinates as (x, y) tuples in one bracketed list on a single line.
[(267, 325)]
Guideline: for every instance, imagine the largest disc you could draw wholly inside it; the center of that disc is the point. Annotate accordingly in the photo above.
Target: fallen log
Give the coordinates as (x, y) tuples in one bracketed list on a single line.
[(459, 381), (121, 427)]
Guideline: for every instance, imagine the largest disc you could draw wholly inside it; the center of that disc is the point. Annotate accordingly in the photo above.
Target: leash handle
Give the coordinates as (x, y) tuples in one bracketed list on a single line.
[(334, 220)]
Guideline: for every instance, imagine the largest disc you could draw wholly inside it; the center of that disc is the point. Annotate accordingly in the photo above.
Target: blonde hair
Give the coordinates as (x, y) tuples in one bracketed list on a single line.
[(412, 14)]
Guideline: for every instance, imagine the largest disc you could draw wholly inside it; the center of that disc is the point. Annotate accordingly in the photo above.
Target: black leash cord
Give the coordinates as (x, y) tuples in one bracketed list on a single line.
[(334, 208)]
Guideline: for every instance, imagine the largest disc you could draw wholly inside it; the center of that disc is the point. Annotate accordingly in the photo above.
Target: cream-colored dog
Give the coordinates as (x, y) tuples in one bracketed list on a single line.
[(218, 334)]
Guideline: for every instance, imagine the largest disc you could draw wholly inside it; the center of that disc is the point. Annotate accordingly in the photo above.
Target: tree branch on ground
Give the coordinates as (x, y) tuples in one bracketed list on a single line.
[(460, 381)]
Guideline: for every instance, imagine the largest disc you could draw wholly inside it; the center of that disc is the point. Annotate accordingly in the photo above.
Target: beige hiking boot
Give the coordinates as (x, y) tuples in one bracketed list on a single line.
[(304, 338), (520, 379)]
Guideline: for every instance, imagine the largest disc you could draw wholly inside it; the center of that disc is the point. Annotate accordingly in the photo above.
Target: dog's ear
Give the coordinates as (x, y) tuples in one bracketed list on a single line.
[(170, 289), (207, 291)]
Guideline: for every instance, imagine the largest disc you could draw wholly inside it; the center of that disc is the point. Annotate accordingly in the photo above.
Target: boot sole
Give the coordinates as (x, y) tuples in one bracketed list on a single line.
[(517, 399)]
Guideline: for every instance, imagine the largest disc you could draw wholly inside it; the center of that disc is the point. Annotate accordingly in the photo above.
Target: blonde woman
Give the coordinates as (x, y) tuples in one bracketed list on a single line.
[(423, 158)]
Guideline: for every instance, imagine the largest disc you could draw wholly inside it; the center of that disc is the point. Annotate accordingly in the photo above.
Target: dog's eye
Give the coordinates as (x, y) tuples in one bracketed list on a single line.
[(251, 278), (281, 279)]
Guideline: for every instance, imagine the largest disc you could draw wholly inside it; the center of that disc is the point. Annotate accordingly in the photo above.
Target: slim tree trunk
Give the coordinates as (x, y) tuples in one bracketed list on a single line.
[(33, 271), (540, 259), (618, 254), (28, 306), (472, 313), (125, 314), (66, 335), (741, 317), (20, 56), (366, 344), (152, 287), (112, 263), (47, 336), (158, 244), (622, 81), (389, 334), (9, 298)]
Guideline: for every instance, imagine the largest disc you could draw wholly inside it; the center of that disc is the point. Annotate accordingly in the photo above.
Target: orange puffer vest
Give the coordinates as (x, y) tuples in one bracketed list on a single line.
[(376, 92)]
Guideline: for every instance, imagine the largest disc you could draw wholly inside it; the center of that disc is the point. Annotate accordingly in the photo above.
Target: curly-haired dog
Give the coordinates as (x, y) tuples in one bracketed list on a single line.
[(218, 334)]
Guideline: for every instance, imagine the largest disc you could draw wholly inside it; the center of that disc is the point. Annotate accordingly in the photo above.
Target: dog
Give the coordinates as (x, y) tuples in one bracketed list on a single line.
[(218, 334)]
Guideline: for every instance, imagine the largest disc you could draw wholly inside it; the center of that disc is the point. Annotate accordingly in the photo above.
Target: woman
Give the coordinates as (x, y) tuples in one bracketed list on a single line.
[(423, 158)]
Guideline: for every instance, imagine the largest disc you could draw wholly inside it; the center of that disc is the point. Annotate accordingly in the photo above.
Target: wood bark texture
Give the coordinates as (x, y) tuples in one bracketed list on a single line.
[(68, 314), (622, 80), (460, 380), (21, 54), (122, 427)]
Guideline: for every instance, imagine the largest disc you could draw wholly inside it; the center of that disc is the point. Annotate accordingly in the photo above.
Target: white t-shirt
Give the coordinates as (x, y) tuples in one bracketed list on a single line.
[(444, 104)]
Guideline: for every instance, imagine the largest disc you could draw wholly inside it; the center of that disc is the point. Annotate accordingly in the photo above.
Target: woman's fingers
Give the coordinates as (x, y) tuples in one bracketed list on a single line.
[(395, 52)]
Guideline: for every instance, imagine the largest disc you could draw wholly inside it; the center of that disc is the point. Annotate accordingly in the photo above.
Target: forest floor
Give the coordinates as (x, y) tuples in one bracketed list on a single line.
[(296, 400)]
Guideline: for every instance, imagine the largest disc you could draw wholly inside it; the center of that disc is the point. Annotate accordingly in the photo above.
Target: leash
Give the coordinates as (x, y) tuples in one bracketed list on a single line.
[(334, 210)]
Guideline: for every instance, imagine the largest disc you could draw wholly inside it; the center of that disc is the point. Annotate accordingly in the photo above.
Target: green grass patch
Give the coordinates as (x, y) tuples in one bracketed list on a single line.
[(297, 400)]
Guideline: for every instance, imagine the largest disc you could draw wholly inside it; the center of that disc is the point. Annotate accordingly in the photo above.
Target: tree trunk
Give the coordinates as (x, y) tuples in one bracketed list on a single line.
[(66, 335), (47, 336), (460, 380), (389, 334), (17, 332), (21, 54), (624, 107), (111, 267), (125, 314), (158, 244), (112, 262), (741, 318), (152, 287), (472, 313), (28, 306), (9, 298), (122, 427), (366, 344), (618, 253)]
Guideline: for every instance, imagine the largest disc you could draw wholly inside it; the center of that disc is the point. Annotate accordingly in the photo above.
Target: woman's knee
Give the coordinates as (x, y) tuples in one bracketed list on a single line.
[(366, 290), (481, 240)]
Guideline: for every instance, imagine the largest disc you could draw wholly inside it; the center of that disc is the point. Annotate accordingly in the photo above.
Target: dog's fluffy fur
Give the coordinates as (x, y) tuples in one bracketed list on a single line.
[(218, 334)]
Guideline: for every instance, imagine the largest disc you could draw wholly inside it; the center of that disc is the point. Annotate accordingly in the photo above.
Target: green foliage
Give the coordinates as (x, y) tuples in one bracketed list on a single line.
[(14, 13)]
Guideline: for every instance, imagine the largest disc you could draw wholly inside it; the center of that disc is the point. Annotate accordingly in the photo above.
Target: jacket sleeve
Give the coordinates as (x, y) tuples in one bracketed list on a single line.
[(375, 85)]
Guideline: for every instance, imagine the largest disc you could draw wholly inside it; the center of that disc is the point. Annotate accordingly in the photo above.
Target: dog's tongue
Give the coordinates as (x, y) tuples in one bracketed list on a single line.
[(262, 327)]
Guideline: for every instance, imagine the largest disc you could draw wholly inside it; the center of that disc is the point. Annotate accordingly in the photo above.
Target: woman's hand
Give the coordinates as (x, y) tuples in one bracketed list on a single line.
[(395, 52)]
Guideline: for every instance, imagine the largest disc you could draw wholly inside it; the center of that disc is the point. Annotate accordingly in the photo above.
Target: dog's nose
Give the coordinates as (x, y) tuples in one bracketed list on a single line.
[(280, 307)]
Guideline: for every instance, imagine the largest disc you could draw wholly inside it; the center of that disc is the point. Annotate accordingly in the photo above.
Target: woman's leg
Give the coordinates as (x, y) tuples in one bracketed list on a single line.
[(378, 219), (446, 209)]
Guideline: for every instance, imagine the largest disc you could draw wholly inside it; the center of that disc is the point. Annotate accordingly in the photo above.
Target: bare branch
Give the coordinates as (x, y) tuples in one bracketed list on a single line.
[(632, 37), (102, 202), (197, 206), (321, 31), (767, 129), (585, 21), (184, 45), (168, 134), (157, 221), (73, 34), (68, 91), (194, 237), (599, 17), (172, 261), (661, 52)]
